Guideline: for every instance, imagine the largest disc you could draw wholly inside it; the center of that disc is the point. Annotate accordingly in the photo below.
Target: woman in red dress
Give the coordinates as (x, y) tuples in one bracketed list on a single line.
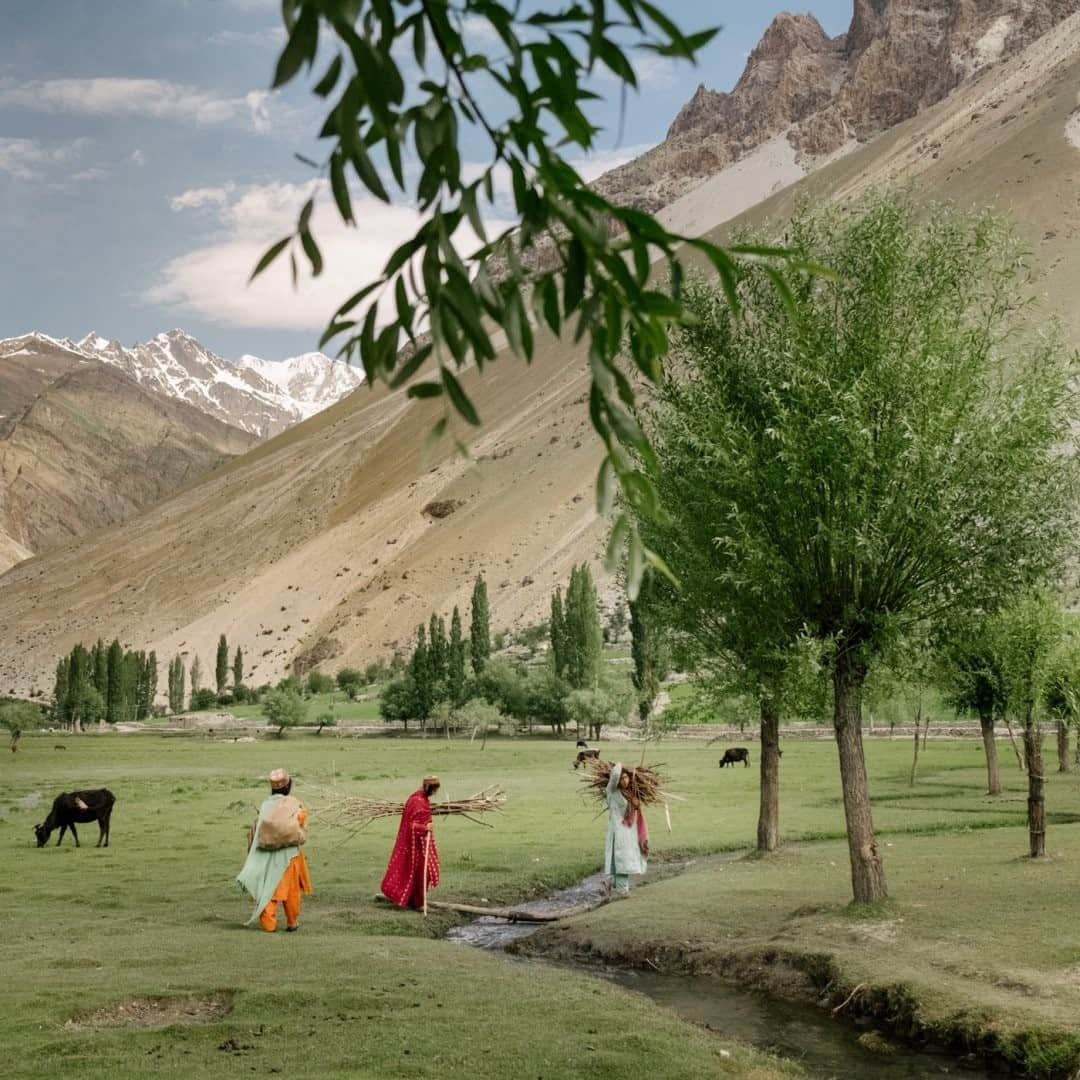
[(414, 850)]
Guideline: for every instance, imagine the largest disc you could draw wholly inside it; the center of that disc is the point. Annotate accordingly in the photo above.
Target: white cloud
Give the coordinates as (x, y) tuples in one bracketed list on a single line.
[(602, 161), (28, 159), (211, 280), (195, 198), (137, 157), (265, 36), (153, 98), (654, 72)]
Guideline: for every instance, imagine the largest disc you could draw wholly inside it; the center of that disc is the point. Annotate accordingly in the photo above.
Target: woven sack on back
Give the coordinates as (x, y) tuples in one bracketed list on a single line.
[(280, 826)]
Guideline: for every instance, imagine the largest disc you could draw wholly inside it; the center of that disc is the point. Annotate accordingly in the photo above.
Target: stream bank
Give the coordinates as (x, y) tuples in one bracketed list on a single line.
[(798, 1005)]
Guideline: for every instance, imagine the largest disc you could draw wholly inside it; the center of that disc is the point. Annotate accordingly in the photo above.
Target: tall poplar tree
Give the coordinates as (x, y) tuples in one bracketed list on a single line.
[(60, 689), (221, 667), (420, 670), (455, 664), (584, 635), (480, 626), (238, 667), (196, 674), (558, 633), (100, 672), (117, 685), (438, 649)]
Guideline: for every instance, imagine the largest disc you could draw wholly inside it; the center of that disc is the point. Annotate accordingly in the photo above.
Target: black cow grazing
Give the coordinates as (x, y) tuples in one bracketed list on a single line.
[(81, 807), (585, 755), (582, 744), (736, 753)]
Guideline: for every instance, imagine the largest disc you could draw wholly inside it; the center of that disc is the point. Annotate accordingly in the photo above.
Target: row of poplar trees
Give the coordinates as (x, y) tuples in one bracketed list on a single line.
[(178, 676), (437, 668), (104, 683)]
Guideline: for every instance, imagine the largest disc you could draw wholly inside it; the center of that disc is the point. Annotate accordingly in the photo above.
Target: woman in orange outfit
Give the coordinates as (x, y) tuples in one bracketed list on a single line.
[(278, 875)]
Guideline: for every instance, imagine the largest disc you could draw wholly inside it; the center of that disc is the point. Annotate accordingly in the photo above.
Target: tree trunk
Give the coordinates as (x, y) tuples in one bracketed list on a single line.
[(1016, 749), (1063, 745), (993, 773), (1036, 802), (867, 872), (915, 756), (768, 826)]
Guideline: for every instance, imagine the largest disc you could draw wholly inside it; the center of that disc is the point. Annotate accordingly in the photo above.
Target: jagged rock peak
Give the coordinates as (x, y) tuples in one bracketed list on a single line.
[(866, 24), (788, 35)]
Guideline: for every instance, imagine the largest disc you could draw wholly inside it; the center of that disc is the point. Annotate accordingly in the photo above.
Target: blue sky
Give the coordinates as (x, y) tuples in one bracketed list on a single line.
[(144, 165)]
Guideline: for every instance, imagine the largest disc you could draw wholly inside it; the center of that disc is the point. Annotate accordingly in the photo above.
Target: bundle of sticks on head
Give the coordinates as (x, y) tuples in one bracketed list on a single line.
[(647, 784), (355, 811)]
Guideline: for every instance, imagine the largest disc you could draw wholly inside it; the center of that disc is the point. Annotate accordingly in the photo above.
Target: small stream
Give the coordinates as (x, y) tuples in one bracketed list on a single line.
[(827, 1049)]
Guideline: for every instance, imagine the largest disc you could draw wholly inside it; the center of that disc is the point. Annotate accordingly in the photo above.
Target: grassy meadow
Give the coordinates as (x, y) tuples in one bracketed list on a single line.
[(364, 990)]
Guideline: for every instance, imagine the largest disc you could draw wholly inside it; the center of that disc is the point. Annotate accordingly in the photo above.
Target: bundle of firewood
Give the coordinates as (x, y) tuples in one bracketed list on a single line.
[(647, 784), (331, 807)]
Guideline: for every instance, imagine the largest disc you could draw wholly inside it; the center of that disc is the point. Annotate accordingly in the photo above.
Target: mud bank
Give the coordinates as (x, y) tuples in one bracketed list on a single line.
[(973, 1040)]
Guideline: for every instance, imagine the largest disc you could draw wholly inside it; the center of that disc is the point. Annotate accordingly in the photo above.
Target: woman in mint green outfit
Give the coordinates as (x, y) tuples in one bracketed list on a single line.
[(627, 841)]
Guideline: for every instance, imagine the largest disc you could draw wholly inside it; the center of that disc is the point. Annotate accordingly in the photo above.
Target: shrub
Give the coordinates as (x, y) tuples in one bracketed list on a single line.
[(202, 699), (284, 708), (318, 683), (349, 681)]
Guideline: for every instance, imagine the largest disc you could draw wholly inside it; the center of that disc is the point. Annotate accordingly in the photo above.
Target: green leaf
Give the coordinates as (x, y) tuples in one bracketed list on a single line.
[(311, 250), (334, 329), (301, 46), (459, 398), (358, 296), (365, 169), (574, 282), (329, 80), (425, 390), (619, 530), (604, 493), (340, 188), (271, 253)]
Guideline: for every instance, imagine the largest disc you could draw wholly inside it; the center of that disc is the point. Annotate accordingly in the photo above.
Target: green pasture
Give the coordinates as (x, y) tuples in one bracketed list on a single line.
[(364, 990)]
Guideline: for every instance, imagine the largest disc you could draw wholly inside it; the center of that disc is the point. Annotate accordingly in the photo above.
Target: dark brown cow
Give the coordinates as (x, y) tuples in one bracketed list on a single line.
[(736, 753), (81, 807)]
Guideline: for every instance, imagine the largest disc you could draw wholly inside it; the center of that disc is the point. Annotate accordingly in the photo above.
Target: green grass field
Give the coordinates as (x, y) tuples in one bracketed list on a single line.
[(366, 991)]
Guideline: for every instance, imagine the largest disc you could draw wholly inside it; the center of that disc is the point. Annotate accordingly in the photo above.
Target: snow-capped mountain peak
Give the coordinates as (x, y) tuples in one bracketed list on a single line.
[(259, 396)]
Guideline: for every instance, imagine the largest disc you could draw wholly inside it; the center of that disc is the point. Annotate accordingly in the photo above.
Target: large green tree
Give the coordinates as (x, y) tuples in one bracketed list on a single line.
[(889, 454), (238, 667)]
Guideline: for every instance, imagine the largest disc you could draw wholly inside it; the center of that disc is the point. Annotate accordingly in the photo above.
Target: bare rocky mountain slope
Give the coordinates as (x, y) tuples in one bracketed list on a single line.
[(73, 459), (82, 445), (328, 543), (805, 97)]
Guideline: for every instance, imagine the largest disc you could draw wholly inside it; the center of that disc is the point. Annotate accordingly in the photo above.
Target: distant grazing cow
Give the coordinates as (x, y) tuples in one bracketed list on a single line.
[(81, 807), (736, 753), (585, 755)]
